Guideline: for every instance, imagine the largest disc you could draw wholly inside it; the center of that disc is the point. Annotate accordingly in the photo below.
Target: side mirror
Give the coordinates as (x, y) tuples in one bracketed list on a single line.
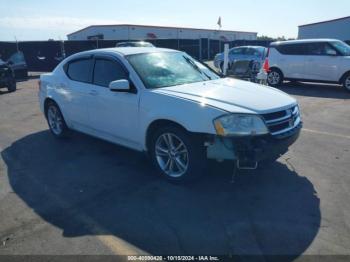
[(10, 62), (122, 85)]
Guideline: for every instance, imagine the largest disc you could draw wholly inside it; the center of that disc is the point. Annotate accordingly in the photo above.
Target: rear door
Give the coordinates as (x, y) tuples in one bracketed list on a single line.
[(322, 62), (114, 115), (292, 60), (75, 92)]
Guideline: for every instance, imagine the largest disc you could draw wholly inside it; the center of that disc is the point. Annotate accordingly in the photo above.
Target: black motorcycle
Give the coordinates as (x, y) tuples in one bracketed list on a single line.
[(7, 77)]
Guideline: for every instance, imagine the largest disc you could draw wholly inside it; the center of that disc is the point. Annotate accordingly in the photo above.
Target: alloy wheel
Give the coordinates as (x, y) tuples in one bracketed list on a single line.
[(274, 78), (55, 120), (172, 155), (347, 83)]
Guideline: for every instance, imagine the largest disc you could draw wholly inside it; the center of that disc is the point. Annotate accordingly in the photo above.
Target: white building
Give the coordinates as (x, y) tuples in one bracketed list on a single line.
[(337, 28), (144, 32)]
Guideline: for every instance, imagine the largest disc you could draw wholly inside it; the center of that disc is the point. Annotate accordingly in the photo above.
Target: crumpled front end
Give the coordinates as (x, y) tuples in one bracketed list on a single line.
[(284, 129)]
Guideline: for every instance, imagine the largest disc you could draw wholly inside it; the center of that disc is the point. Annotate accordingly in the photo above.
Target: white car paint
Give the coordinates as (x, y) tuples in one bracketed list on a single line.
[(328, 68), (124, 118)]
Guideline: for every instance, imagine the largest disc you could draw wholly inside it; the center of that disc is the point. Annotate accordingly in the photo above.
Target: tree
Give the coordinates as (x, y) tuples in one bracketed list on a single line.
[(279, 38)]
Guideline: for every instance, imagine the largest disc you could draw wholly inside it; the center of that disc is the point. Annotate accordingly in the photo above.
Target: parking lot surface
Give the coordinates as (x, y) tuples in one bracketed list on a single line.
[(86, 196)]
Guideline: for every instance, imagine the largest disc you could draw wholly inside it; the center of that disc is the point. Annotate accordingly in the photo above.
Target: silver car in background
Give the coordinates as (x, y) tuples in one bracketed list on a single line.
[(256, 54)]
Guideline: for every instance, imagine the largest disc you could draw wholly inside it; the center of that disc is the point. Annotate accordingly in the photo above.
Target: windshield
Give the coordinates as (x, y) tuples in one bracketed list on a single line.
[(164, 69), (343, 48)]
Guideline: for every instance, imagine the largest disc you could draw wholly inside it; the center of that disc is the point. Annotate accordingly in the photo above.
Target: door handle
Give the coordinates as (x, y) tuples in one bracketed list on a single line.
[(93, 92)]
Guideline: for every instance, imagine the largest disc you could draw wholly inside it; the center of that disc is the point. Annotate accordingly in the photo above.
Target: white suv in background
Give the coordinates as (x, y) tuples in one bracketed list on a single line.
[(311, 60)]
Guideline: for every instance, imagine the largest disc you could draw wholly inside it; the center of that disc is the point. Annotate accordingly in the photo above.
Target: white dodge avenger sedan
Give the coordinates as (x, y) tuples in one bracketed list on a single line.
[(167, 104)]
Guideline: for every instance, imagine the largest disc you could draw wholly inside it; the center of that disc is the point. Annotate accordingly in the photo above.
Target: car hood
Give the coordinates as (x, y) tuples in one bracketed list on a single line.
[(232, 95)]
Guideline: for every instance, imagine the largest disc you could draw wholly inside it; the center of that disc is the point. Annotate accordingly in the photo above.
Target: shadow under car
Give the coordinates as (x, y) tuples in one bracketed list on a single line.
[(271, 211)]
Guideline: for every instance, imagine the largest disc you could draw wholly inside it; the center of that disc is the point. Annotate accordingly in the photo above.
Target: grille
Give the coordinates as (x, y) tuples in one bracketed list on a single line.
[(282, 121)]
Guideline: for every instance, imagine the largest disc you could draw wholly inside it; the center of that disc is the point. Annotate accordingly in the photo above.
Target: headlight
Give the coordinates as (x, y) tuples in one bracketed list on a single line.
[(240, 125)]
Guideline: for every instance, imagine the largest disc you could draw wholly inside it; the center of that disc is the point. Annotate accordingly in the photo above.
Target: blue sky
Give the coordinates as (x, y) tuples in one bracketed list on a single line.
[(44, 19)]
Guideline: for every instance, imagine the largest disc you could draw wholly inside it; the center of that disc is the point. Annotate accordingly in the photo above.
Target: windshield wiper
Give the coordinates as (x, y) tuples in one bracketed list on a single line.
[(193, 64)]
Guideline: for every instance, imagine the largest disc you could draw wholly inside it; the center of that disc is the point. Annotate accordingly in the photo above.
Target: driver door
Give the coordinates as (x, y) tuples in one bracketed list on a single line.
[(322, 62), (113, 115)]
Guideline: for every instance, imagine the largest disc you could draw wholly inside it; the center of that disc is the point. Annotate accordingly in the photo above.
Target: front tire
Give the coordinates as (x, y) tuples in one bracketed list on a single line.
[(56, 121), (275, 78), (178, 155), (346, 82)]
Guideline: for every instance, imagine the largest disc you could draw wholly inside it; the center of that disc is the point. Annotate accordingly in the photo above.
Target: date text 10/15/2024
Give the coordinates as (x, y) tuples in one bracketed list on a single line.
[(173, 258)]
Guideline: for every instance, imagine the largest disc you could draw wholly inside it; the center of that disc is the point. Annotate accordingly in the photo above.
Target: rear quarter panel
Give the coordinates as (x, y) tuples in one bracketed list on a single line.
[(51, 84)]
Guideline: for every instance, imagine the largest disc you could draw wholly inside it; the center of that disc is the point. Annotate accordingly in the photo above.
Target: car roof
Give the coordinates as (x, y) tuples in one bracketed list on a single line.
[(124, 51), (302, 41)]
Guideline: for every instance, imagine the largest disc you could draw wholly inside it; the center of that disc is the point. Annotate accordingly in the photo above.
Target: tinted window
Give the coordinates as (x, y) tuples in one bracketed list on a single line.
[(80, 70), (253, 52), (342, 47), (292, 49), (107, 71), (237, 51), (122, 45), (319, 49)]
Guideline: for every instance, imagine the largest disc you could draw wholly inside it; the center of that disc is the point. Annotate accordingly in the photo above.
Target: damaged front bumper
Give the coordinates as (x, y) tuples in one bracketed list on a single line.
[(251, 149)]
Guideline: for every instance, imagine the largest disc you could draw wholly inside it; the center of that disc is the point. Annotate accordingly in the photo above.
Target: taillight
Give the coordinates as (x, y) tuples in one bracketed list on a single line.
[(266, 65)]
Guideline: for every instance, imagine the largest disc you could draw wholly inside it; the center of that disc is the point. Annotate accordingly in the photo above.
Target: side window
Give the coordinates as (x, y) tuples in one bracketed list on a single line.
[(107, 71), (320, 49), (253, 52), (292, 49), (80, 70), (237, 51)]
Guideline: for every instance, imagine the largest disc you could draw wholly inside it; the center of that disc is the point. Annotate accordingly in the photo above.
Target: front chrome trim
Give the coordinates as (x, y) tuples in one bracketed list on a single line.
[(289, 121), (296, 123), (277, 120)]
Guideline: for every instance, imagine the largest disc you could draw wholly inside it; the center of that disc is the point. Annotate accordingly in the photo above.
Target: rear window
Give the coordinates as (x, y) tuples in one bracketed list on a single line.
[(80, 70)]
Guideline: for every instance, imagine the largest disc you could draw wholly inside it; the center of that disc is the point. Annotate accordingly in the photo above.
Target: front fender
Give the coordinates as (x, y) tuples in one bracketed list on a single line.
[(193, 116)]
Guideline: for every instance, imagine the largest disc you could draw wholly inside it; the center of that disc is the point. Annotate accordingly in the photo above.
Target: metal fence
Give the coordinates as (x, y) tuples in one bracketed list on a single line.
[(45, 55)]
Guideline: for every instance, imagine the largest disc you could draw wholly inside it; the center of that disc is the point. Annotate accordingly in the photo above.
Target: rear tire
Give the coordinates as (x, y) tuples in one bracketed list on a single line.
[(12, 86), (275, 77), (56, 121), (178, 155), (346, 82)]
